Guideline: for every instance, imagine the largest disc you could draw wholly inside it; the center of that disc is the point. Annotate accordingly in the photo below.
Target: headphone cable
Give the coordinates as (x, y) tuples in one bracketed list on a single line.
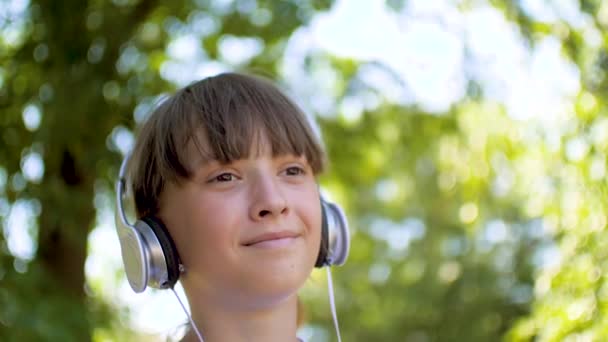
[(332, 302), (198, 333)]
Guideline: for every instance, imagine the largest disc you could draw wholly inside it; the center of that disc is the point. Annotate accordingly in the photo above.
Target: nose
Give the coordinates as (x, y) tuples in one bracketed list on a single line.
[(267, 200)]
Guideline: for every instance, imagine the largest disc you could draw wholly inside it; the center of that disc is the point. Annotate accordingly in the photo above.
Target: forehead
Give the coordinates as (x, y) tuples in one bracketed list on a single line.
[(198, 150)]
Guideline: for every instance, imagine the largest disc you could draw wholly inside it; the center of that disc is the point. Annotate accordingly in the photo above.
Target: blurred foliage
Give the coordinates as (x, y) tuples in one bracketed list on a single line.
[(451, 212)]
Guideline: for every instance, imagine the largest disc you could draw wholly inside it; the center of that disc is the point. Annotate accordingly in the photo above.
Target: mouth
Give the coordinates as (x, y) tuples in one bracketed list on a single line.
[(272, 239)]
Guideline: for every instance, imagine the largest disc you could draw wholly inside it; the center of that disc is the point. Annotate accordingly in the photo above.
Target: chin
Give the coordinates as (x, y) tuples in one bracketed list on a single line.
[(278, 280)]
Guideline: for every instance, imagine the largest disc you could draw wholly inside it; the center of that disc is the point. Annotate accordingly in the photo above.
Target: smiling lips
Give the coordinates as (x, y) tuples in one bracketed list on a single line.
[(272, 239)]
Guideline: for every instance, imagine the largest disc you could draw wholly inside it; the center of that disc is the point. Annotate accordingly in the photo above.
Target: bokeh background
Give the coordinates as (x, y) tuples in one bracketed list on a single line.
[(467, 142)]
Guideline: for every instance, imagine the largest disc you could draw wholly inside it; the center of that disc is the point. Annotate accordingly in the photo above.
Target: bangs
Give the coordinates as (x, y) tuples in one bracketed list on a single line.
[(231, 116)]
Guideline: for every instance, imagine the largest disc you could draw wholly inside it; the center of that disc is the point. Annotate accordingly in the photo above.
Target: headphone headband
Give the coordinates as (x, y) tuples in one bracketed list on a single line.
[(121, 189)]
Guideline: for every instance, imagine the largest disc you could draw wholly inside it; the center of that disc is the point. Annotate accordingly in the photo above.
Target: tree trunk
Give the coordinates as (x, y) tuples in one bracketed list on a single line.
[(65, 221)]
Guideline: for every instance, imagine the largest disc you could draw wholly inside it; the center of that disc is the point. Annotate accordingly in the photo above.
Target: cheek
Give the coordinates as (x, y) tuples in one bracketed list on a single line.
[(312, 222), (309, 207), (316, 217), (197, 224)]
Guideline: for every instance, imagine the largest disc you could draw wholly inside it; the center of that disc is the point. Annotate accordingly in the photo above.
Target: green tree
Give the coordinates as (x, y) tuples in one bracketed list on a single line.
[(570, 296), (80, 68)]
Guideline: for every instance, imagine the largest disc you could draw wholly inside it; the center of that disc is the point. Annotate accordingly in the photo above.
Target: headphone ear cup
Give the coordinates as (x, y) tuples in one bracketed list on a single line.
[(134, 256), (168, 255), (335, 236), (322, 257)]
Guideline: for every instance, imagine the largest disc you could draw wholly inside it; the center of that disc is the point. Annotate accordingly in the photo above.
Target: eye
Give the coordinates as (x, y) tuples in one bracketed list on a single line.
[(224, 177), (294, 171)]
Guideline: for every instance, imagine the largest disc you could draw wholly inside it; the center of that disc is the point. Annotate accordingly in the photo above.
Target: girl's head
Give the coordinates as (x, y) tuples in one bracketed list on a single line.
[(229, 165)]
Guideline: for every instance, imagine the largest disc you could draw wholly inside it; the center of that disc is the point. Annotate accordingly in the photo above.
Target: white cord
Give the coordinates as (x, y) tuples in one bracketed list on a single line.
[(332, 303), (198, 333)]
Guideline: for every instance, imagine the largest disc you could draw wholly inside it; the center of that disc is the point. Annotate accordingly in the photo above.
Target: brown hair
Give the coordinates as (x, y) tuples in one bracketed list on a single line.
[(222, 117)]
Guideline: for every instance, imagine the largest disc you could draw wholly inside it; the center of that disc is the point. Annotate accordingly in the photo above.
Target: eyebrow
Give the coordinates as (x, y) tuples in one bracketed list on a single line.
[(197, 148), (200, 162)]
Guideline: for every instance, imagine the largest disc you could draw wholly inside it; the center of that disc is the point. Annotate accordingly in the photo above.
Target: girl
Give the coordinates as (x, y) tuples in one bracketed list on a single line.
[(224, 179)]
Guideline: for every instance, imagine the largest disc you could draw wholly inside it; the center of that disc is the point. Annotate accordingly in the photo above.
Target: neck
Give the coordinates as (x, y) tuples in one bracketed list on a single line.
[(217, 323)]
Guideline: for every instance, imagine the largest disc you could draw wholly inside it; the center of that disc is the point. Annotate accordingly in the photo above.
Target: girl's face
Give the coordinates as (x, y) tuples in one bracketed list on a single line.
[(248, 232)]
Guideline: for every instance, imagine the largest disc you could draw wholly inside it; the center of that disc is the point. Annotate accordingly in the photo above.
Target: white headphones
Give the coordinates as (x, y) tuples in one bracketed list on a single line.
[(151, 259)]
